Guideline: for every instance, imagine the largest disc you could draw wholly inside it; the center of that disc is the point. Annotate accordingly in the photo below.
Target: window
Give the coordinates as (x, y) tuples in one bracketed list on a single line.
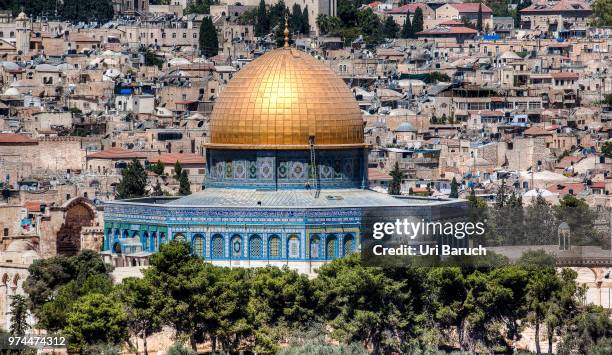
[(198, 245), (255, 247), (294, 247), (315, 246), (274, 245), (174, 35), (195, 35), (145, 239), (217, 246), (179, 237), (184, 35), (330, 247), (6, 232), (347, 247), (153, 243)]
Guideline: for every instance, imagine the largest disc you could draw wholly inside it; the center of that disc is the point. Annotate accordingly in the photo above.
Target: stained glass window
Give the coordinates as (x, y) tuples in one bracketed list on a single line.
[(255, 247), (217, 246), (179, 237), (330, 247), (274, 246), (294, 247), (198, 244)]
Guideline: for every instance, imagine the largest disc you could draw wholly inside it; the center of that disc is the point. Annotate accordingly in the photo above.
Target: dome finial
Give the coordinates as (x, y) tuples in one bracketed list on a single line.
[(286, 30)]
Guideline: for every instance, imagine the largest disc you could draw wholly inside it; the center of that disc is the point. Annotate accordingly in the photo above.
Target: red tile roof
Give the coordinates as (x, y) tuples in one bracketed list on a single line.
[(537, 131), (564, 189), (408, 8), (375, 174), (118, 153), (32, 206), (565, 75), (14, 138), (443, 30), (171, 158), (472, 7)]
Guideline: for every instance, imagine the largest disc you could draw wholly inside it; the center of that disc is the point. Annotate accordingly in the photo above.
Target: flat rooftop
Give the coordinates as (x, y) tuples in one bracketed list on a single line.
[(328, 198)]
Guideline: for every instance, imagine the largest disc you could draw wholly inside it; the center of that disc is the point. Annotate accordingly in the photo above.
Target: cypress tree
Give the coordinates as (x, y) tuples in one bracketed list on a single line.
[(395, 186), (305, 21), (391, 28), (133, 181), (184, 187), (262, 26), (454, 193), (479, 19), (407, 28), (19, 315), (177, 170), (417, 22), (209, 42)]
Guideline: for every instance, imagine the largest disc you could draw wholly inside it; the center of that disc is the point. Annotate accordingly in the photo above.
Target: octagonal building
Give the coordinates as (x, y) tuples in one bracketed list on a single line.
[(286, 177)]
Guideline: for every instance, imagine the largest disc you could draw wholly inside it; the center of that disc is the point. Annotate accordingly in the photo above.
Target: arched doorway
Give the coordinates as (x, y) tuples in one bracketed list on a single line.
[(79, 213)]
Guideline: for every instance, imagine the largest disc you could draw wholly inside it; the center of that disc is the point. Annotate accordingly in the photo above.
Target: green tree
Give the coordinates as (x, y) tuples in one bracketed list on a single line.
[(479, 18), (179, 349), (175, 275), (540, 223), (19, 315), (157, 190), (391, 28), (454, 193), (262, 25), (602, 12), (178, 170), (133, 181), (157, 168), (200, 6), (47, 276), (589, 332), (184, 185), (397, 176), (96, 318), (280, 301), (136, 295), (328, 24), (208, 40), (606, 149), (581, 220), (417, 21), (305, 21), (296, 21), (370, 26)]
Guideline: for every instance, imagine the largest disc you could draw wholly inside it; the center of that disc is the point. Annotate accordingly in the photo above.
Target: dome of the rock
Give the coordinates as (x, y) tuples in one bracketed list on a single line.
[(280, 100)]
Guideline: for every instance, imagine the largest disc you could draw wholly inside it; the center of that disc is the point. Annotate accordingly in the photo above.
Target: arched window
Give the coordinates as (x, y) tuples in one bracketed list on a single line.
[(198, 245), (145, 240), (330, 247), (136, 235), (315, 246), (347, 246), (179, 237), (294, 247), (126, 234), (274, 248), (162, 238), (236, 246), (218, 249), (255, 247), (153, 243)]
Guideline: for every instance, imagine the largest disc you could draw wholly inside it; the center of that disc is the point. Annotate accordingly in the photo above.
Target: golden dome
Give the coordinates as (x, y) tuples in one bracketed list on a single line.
[(281, 99)]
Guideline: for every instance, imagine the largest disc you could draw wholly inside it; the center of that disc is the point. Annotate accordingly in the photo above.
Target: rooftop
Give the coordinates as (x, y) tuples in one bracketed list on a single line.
[(334, 198)]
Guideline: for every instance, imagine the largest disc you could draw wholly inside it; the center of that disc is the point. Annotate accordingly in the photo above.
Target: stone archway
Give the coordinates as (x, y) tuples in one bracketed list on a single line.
[(79, 213)]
